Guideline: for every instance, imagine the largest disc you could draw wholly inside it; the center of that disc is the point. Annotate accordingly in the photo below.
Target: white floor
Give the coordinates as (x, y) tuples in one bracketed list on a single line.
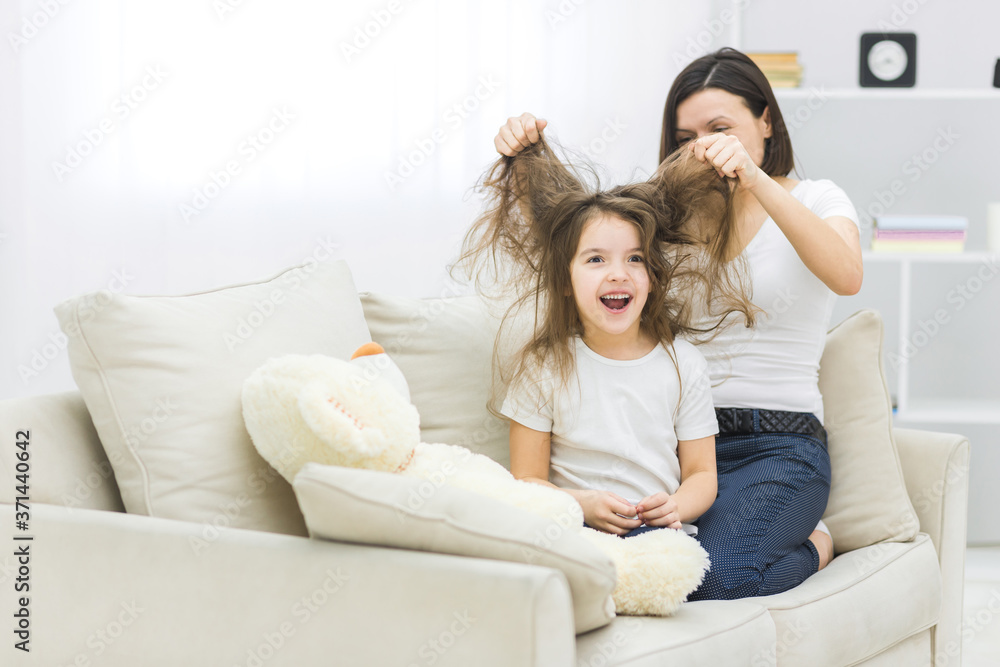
[(981, 622)]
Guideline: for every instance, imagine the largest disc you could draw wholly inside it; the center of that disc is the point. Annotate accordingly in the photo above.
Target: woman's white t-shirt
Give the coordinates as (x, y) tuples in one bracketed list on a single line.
[(775, 365), (616, 427)]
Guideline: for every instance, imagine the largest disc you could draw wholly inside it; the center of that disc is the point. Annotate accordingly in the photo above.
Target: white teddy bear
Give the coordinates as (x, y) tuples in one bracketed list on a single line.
[(316, 409)]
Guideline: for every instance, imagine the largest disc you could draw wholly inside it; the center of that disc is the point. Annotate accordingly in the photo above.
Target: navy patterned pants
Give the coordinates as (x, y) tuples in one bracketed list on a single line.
[(773, 489)]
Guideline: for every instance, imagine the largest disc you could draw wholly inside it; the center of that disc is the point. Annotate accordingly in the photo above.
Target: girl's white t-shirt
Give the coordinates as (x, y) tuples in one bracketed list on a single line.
[(775, 365), (616, 426)]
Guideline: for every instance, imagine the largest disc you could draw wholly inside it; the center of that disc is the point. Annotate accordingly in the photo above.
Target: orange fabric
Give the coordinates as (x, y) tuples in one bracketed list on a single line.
[(367, 350)]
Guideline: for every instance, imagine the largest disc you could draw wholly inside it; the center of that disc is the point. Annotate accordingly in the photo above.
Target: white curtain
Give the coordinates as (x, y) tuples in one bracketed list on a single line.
[(167, 147)]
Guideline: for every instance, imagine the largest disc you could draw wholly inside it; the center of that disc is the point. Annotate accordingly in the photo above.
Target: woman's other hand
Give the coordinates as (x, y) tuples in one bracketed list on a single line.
[(728, 156), (519, 133)]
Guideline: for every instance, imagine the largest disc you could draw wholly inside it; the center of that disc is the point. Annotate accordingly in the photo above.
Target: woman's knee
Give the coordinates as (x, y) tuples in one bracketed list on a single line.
[(735, 571), (728, 583)]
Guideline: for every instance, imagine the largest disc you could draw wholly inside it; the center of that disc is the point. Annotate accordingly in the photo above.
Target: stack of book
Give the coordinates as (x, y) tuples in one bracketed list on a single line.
[(919, 233), (781, 69)]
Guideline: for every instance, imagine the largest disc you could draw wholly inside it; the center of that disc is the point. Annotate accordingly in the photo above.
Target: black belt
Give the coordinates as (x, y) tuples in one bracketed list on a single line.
[(733, 421)]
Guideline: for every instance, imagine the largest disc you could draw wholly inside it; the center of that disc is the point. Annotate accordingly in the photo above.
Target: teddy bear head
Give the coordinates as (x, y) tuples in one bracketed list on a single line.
[(357, 414)]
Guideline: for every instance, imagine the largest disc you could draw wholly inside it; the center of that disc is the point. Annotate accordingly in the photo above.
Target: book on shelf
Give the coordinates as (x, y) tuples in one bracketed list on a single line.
[(882, 245), (782, 69), (919, 233), (781, 82), (763, 58), (922, 222)]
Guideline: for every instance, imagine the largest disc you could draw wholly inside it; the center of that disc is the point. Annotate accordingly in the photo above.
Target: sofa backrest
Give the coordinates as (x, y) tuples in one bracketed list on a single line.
[(444, 347), (66, 463)]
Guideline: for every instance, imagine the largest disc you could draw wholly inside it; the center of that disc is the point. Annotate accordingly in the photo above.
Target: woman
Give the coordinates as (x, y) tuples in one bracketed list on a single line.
[(800, 243)]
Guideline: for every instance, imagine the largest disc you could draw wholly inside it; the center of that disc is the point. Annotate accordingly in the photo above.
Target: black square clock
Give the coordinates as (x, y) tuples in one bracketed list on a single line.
[(888, 59)]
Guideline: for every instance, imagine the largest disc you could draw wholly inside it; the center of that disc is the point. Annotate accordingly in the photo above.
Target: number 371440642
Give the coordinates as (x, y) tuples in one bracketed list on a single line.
[(22, 474)]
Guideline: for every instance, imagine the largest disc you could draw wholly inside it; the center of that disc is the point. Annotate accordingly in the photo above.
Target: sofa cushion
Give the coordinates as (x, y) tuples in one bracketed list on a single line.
[(371, 507), (444, 347), (868, 499), (162, 376), (710, 633), (67, 465), (897, 585)]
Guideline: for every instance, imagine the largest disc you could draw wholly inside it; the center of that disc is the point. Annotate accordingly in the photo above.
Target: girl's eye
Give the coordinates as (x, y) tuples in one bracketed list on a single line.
[(594, 260), (720, 129), (683, 140), (636, 258)]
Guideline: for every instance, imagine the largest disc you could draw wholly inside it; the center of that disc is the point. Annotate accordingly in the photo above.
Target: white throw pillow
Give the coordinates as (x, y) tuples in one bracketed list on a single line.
[(162, 376), (370, 507), (444, 347), (868, 499)]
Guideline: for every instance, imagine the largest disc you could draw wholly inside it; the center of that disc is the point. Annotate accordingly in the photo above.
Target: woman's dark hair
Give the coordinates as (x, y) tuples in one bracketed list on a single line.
[(732, 71)]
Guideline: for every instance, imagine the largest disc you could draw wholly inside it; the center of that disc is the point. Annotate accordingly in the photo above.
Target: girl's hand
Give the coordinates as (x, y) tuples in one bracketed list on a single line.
[(518, 134), (607, 511), (659, 510), (728, 156)]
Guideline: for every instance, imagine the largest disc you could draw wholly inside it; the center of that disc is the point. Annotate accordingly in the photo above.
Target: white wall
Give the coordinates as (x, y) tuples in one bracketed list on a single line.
[(200, 76), (957, 44), (598, 70)]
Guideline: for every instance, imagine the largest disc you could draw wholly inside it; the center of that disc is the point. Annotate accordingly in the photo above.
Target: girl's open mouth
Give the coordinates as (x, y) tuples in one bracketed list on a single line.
[(616, 302)]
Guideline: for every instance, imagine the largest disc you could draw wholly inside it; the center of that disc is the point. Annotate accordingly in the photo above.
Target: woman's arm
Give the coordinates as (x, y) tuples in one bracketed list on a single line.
[(529, 462), (830, 248), (699, 486)]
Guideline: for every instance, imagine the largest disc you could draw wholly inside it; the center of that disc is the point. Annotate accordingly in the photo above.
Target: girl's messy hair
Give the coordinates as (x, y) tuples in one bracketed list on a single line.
[(524, 242)]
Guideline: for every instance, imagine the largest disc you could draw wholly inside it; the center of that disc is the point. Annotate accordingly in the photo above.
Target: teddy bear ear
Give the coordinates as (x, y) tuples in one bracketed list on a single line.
[(333, 422)]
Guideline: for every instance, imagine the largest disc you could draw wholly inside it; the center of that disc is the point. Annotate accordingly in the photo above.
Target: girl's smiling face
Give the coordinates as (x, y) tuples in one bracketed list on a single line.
[(610, 283)]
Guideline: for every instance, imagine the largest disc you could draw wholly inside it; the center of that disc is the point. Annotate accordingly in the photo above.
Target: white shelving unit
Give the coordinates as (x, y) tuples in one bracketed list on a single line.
[(937, 410), (951, 411), (888, 93), (909, 409), (867, 140)]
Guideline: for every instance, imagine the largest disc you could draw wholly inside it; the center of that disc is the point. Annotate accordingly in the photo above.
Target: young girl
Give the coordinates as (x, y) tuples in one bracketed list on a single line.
[(605, 401), (800, 242)]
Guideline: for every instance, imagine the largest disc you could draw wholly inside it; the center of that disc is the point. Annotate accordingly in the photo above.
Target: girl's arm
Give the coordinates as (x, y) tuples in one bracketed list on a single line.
[(699, 486), (830, 248), (529, 462), (529, 454)]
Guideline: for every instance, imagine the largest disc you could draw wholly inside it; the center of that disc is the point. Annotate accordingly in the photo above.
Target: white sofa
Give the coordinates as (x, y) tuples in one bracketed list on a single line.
[(139, 588)]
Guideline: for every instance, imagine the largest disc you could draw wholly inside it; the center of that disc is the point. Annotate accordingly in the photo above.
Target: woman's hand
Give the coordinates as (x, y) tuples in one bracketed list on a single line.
[(607, 511), (658, 510), (518, 134), (729, 157)]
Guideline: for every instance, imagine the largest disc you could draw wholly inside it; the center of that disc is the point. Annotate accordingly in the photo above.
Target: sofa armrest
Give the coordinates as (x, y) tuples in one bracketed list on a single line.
[(119, 589), (64, 445), (936, 469)]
